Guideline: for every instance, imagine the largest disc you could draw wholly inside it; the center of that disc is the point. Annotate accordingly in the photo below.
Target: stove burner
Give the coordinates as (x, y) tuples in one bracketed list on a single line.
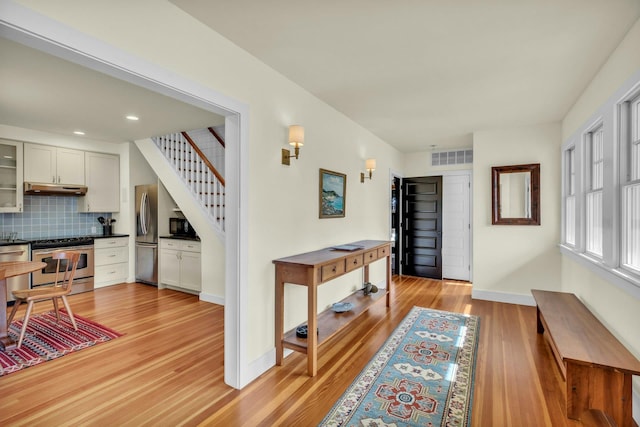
[(61, 242)]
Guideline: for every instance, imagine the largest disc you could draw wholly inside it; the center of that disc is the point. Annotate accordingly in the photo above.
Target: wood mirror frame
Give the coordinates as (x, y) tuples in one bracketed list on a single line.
[(497, 197)]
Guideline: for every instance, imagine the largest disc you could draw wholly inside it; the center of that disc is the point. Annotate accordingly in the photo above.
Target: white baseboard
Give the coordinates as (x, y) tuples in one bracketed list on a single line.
[(215, 299), (503, 297)]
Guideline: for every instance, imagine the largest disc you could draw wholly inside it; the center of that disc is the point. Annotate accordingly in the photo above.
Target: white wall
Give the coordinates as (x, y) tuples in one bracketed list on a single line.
[(283, 201), (510, 260)]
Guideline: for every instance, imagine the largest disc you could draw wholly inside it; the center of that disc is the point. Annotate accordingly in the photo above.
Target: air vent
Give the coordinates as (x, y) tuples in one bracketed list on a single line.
[(453, 157)]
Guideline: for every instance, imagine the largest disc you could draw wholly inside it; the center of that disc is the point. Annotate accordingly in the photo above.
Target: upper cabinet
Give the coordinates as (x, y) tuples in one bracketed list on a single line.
[(48, 164), (11, 181), (103, 183)]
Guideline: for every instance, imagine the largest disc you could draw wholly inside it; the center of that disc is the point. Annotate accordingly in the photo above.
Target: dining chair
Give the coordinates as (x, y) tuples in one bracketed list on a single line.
[(66, 264)]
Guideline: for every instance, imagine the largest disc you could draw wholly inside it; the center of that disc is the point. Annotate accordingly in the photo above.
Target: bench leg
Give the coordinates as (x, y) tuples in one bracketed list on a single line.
[(590, 387), (540, 325)]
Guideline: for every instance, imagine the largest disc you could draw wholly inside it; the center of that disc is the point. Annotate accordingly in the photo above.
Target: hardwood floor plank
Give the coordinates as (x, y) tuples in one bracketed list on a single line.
[(168, 367)]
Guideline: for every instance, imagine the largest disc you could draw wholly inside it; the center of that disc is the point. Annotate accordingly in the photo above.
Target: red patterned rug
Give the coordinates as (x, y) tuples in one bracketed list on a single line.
[(45, 340)]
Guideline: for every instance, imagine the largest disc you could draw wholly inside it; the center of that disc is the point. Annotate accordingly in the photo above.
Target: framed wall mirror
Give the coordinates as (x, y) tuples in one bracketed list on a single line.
[(515, 195)]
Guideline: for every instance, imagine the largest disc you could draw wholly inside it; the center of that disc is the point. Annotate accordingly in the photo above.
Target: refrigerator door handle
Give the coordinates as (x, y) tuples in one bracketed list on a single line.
[(143, 214)]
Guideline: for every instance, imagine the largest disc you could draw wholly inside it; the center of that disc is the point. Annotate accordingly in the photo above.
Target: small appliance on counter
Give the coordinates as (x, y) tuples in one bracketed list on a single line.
[(180, 227)]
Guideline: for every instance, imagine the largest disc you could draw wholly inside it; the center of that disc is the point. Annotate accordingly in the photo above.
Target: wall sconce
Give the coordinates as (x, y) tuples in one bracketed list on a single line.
[(370, 166), (296, 139)]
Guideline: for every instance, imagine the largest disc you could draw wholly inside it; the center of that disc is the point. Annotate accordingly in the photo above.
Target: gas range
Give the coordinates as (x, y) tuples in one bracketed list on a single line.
[(61, 242)]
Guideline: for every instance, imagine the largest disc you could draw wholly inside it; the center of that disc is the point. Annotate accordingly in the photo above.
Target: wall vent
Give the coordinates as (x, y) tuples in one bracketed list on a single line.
[(452, 157)]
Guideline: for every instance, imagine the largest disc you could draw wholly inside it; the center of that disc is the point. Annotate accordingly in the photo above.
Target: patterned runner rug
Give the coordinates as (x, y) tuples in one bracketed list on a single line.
[(46, 340), (422, 375)]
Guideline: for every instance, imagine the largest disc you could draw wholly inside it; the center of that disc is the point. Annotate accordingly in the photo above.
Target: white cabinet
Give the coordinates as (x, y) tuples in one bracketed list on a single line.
[(180, 264), (102, 173), (111, 260), (11, 182), (49, 164)]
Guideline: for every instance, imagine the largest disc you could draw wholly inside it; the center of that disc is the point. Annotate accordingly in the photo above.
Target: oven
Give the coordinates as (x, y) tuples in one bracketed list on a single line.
[(42, 251)]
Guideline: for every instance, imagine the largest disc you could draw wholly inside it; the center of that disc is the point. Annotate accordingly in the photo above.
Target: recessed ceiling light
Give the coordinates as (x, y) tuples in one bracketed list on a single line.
[(78, 132), (133, 118)]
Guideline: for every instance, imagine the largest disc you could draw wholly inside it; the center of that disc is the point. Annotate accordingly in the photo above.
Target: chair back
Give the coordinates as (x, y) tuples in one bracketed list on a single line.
[(65, 268)]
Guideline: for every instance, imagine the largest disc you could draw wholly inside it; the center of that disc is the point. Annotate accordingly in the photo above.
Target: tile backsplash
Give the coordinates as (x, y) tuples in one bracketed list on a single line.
[(50, 216)]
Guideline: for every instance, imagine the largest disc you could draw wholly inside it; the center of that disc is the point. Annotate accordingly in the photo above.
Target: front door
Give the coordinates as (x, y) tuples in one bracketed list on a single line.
[(422, 227)]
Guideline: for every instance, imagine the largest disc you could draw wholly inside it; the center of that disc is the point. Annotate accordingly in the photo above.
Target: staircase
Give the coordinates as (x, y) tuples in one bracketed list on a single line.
[(202, 179)]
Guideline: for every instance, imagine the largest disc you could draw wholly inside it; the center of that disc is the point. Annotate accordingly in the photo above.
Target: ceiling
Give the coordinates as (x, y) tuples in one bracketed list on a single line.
[(423, 72), (415, 73), (43, 92)]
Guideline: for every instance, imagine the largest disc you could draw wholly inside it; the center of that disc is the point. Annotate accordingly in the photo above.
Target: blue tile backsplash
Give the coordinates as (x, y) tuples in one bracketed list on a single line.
[(50, 216)]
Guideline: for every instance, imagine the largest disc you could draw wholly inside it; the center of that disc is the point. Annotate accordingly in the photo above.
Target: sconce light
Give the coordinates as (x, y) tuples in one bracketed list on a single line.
[(370, 166), (296, 139)]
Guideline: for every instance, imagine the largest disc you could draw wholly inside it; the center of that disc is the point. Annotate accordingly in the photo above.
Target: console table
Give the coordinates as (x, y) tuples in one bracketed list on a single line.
[(315, 268)]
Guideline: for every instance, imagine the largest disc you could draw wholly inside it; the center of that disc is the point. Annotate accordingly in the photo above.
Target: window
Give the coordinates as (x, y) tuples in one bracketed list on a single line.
[(630, 186), (601, 190), (570, 196), (594, 144)]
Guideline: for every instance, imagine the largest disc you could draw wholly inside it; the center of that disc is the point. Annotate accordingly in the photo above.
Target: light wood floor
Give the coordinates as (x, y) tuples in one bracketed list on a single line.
[(168, 368)]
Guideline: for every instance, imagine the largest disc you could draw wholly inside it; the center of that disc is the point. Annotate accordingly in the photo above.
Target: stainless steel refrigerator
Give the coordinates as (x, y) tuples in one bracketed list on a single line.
[(147, 234)]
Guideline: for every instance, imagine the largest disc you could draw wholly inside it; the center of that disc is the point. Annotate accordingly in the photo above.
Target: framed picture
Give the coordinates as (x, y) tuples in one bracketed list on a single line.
[(333, 193)]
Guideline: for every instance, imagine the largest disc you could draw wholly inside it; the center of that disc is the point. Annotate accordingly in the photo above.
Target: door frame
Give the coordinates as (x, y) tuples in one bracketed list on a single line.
[(396, 174), (469, 173), (40, 32)]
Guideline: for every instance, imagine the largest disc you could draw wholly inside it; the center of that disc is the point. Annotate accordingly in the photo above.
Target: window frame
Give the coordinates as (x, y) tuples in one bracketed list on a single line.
[(615, 117)]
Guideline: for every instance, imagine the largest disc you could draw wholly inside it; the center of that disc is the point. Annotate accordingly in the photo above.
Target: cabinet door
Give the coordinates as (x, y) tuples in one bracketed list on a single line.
[(190, 275), (170, 267), (70, 166), (40, 163), (11, 181), (103, 180)]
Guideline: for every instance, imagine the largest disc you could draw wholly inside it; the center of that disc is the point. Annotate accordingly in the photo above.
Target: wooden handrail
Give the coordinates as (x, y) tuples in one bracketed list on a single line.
[(204, 158), (215, 134)]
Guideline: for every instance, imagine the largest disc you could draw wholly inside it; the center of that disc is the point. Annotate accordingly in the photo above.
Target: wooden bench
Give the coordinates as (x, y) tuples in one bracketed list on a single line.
[(597, 368)]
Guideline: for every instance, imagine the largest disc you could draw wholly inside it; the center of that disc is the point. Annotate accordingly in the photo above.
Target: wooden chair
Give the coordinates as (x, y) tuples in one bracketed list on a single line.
[(60, 289)]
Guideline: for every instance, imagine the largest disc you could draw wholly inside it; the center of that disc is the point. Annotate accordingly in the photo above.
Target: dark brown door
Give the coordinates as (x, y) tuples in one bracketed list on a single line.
[(422, 227)]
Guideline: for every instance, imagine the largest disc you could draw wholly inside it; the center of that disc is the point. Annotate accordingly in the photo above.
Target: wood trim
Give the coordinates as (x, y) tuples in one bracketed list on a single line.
[(216, 136), (204, 158)]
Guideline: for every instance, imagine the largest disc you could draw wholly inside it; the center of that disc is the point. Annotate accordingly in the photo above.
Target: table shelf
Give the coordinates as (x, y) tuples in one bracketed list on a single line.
[(330, 322)]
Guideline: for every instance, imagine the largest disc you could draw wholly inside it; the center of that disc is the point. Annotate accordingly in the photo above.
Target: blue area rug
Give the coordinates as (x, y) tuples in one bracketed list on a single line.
[(422, 375)]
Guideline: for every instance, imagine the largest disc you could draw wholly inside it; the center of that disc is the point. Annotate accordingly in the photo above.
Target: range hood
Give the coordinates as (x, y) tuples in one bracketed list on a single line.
[(39, 189)]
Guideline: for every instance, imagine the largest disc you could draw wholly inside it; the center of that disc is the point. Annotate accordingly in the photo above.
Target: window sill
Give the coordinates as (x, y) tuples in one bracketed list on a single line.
[(621, 278)]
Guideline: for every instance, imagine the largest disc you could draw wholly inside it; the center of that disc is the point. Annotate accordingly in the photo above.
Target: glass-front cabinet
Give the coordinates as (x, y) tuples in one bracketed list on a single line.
[(11, 184)]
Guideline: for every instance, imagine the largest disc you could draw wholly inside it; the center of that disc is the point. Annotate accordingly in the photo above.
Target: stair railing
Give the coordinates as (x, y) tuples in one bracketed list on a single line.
[(196, 171)]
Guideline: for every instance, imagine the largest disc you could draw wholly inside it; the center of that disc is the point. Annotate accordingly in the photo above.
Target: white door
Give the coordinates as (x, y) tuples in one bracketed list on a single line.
[(456, 227)]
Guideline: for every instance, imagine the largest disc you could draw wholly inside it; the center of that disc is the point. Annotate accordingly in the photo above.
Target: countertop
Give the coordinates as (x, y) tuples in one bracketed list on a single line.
[(26, 242), (193, 239)]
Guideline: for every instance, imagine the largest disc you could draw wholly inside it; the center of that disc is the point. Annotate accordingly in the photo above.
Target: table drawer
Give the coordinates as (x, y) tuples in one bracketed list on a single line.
[(330, 271), (370, 256), (355, 261), (383, 252)]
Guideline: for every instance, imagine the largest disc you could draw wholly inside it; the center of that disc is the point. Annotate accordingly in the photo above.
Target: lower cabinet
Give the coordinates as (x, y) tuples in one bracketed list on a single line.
[(111, 261), (180, 264)]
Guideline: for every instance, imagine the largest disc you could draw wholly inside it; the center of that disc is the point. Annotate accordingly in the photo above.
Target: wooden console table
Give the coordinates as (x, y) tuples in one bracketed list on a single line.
[(316, 268)]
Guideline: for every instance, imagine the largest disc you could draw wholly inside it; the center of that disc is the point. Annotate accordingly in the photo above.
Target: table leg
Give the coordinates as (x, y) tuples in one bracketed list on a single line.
[(5, 342), (312, 325), (389, 279), (279, 325)]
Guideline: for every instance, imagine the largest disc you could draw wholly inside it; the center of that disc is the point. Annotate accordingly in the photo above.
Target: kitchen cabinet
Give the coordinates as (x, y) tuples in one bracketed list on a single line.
[(11, 181), (111, 261), (180, 264), (102, 174), (57, 165)]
